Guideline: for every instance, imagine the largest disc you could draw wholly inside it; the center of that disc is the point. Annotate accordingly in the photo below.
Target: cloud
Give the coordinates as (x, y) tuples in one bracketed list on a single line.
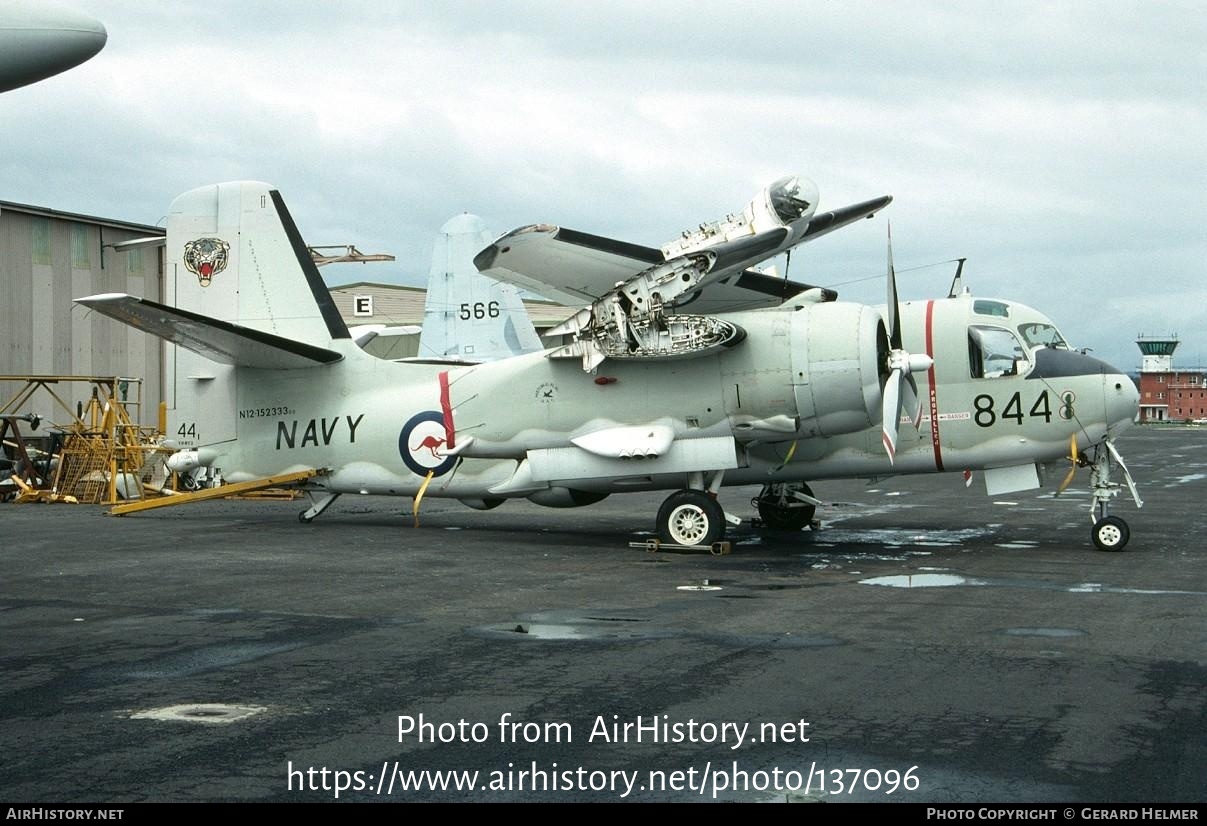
[(1057, 146)]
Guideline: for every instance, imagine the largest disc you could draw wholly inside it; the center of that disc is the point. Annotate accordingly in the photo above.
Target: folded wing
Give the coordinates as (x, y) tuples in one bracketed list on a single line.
[(645, 303), (578, 268)]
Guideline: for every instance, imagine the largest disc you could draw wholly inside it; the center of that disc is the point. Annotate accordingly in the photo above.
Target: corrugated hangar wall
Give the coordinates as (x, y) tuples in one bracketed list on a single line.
[(47, 259)]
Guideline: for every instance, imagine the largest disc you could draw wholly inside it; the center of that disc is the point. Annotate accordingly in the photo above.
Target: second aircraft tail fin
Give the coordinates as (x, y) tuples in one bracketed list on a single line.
[(468, 315)]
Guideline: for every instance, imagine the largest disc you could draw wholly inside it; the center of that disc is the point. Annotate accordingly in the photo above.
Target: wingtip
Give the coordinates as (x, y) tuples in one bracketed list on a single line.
[(102, 298)]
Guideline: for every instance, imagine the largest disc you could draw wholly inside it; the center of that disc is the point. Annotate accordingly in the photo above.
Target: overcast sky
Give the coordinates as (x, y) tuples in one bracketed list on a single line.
[(1060, 147)]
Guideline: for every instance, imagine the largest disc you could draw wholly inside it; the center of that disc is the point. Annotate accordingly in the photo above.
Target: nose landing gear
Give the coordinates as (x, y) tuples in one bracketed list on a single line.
[(1110, 533)]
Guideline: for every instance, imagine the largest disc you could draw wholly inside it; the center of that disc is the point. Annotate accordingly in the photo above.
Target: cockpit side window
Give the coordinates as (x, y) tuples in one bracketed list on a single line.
[(1042, 335), (994, 352)]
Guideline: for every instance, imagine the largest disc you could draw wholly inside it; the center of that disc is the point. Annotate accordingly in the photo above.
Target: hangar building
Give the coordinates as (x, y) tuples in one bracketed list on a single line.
[(48, 258)]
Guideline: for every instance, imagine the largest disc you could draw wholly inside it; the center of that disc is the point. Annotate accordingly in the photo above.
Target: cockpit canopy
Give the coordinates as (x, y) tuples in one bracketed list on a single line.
[(1002, 338)]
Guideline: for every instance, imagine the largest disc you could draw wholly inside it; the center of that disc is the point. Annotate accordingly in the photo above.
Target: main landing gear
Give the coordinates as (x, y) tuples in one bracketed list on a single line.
[(692, 517), (786, 506)]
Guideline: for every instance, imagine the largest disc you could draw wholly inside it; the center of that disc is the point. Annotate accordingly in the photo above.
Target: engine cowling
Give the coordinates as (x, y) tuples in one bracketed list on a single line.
[(838, 354)]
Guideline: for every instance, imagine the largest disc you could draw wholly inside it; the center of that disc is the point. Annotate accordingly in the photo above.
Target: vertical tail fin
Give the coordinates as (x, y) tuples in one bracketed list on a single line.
[(468, 315), (234, 254)]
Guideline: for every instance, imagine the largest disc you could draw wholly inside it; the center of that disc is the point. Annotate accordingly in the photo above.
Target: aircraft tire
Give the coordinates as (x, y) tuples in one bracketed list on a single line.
[(303, 519), (779, 518), (690, 517), (1110, 533)]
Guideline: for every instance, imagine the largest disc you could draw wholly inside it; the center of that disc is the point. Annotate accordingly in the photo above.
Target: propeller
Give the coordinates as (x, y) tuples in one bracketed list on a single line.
[(900, 389), (1074, 459)]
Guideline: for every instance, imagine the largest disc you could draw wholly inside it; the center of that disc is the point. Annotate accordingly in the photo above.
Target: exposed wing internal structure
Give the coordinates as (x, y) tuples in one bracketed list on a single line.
[(647, 303)]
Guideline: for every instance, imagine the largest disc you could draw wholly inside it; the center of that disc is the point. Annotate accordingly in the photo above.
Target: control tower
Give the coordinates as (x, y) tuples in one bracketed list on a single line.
[(1156, 353)]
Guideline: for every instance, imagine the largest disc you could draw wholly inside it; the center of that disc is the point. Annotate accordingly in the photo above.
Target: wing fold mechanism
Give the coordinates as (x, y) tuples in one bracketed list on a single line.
[(637, 295), (220, 341)]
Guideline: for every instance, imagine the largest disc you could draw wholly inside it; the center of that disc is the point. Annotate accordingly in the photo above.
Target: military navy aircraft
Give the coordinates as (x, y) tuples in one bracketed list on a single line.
[(40, 39), (685, 370)]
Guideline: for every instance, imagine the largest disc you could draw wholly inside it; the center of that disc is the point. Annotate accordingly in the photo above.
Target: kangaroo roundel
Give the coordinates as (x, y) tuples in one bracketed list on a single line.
[(422, 444)]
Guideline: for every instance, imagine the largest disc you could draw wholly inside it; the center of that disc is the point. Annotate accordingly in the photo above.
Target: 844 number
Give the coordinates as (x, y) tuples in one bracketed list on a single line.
[(987, 416)]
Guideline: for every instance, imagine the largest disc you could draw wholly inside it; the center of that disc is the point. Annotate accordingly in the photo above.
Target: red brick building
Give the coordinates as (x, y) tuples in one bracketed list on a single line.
[(1167, 394)]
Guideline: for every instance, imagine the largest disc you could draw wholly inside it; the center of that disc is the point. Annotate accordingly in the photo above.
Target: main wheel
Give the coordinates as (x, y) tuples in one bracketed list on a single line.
[(691, 517), (1111, 533), (778, 515)]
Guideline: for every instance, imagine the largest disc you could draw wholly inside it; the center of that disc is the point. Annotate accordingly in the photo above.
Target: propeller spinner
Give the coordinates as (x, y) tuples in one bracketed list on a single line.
[(900, 389)]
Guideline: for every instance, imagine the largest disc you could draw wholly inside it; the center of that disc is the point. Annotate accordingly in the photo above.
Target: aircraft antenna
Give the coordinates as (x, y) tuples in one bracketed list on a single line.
[(956, 283), (345, 253)]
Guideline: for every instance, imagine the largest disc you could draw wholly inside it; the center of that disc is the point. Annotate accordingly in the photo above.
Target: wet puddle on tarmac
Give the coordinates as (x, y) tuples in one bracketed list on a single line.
[(206, 713), (920, 581)]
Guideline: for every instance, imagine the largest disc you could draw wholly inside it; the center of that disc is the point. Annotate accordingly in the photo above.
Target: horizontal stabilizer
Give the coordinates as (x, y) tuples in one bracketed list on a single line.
[(220, 341)]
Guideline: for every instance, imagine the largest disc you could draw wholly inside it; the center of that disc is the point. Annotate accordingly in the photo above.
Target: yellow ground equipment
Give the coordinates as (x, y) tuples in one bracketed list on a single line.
[(105, 454)]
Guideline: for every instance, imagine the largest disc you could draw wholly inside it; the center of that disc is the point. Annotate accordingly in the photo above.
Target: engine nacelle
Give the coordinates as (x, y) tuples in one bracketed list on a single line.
[(839, 351)]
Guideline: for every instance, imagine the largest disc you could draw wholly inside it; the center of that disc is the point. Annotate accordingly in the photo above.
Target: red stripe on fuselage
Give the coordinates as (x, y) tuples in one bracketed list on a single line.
[(446, 409), (930, 378)]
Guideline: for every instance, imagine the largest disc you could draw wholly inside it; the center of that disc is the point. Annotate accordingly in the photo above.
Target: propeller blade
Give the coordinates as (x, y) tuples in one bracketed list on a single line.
[(1072, 470), (901, 366), (893, 309), (890, 414), (1068, 478), (911, 402)]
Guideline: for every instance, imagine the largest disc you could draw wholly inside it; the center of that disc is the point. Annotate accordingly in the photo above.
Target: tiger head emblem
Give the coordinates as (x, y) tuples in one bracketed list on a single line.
[(206, 257)]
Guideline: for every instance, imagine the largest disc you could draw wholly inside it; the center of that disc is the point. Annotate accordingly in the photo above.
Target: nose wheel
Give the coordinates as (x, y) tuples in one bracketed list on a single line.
[(1110, 533)]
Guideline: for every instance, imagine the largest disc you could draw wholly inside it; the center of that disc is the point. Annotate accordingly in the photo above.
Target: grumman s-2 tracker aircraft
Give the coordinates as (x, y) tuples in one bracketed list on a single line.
[(685, 370)]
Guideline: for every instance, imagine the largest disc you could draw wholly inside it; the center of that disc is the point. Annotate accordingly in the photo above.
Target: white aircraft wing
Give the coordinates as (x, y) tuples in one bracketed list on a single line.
[(746, 290), (577, 268), (563, 264), (824, 222)]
